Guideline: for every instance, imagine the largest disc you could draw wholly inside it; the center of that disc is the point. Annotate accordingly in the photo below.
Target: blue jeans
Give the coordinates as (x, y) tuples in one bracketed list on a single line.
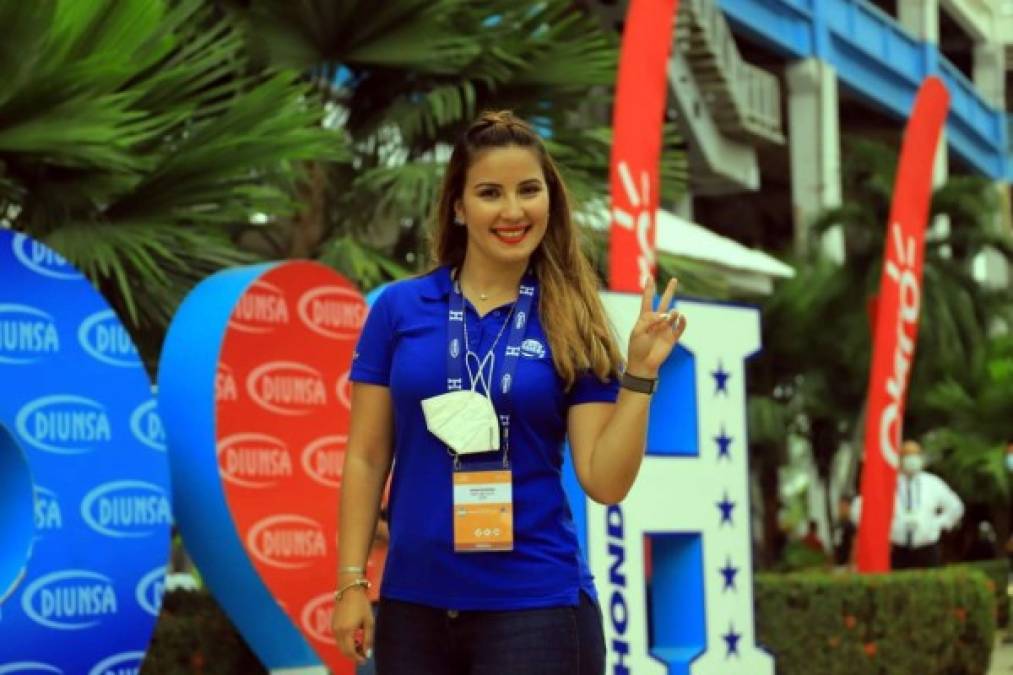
[(419, 640), (369, 667)]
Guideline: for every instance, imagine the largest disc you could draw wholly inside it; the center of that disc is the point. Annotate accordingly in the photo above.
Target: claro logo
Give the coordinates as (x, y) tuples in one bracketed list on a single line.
[(42, 260), (103, 337), (253, 460), (146, 425), (323, 460), (27, 334), (124, 663), (333, 311), (261, 309), (64, 424), (70, 599), (287, 541), (126, 508), (150, 590), (287, 387), (315, 618)]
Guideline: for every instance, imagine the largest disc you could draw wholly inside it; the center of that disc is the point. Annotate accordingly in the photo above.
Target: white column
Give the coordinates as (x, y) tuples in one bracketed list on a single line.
[(920, 18), (990, 72), (815, 149)]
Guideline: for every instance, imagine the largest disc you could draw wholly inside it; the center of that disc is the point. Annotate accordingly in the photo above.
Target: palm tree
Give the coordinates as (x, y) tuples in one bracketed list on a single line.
[(403, 79), (973, 405), (817, 347), (135, 134)]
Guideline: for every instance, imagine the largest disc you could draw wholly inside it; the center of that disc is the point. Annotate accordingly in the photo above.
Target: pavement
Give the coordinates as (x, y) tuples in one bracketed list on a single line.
[(1002, 656)]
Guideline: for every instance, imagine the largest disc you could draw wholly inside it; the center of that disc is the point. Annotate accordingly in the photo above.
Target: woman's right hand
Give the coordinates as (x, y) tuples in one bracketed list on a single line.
[(353, 617)]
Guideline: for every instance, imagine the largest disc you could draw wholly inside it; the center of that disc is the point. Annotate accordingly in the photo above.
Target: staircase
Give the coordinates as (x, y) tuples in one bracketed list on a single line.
[(744, 100), (724, 106)]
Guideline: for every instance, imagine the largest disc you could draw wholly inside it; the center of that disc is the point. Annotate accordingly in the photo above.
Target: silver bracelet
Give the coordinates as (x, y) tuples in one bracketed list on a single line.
[(340, 593)]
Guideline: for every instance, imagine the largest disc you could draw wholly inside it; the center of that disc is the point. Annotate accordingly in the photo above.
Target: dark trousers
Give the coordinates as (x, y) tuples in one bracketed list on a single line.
[(419, 640), (908, 557)]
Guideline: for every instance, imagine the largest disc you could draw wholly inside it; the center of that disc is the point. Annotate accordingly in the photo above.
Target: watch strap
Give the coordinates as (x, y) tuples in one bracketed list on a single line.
[(642, 385)]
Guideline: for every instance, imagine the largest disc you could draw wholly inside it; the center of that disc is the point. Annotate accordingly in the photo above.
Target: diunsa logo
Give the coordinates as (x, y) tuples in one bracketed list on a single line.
[(124, 663), (126, 508), (146, 425), (27, 334), (64, 424), (332, 311), (261, 309), (315, 618), (29, 668), (225, 383), (287, 387), (71, 599), (253, 460), (105, 339), (42, 260), (48, 515), (343, 389), (150, 589), (287, 541), (323, 460)]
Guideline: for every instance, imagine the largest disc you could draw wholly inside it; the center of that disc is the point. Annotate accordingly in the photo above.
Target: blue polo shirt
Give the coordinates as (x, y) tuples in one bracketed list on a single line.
[(403, 346)]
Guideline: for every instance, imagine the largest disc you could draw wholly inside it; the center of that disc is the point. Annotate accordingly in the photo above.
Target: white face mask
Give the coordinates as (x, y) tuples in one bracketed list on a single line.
[(912, 463), (1009, 462), (465, 420)]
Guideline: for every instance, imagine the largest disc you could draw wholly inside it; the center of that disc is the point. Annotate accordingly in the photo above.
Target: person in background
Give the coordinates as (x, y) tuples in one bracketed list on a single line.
[(845, 531), (925, 507), (812, 540)]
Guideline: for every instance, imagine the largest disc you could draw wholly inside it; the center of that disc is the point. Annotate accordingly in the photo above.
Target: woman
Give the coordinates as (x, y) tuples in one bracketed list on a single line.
[(470, 377)]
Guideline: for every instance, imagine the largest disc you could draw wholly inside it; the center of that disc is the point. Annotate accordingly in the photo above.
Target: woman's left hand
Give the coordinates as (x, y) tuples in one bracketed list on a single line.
[(655, 334)]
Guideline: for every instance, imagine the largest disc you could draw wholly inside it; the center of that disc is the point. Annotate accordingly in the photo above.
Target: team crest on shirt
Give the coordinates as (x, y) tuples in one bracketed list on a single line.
[(532, 349)]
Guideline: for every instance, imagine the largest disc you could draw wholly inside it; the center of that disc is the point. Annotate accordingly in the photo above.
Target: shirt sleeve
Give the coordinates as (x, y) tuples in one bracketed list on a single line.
[(949, 503), (589, 389), (372, 356)]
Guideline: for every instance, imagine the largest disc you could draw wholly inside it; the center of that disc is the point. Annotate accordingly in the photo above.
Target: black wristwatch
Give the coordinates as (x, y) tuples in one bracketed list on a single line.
[(641, 385)]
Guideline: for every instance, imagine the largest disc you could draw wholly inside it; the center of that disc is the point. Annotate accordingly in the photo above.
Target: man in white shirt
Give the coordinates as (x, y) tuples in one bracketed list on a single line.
[(925, 507)]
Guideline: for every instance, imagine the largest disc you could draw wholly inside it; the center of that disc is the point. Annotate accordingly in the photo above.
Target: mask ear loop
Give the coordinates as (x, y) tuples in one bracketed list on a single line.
[(480, 377)]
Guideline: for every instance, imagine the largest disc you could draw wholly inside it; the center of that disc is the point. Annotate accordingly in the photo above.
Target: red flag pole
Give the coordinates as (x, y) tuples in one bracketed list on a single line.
[(895, 329), (637, 121)]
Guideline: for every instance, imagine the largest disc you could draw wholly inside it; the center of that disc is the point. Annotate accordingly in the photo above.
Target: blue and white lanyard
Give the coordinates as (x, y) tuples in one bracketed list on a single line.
[(459, 354)]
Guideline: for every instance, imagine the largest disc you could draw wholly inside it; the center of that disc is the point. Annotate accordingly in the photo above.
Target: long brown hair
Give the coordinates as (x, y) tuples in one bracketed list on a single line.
[(569, 307)]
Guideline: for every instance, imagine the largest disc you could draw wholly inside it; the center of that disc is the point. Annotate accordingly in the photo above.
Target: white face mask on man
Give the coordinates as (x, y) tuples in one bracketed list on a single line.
[(1009, 462), (912, 464)]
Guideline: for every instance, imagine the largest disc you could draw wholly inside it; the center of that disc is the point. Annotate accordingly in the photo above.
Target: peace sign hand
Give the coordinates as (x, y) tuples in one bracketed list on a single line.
[(655, 333)]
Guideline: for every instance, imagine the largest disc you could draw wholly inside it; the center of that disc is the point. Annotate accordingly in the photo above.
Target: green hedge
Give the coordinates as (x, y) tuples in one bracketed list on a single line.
[(193, 635), (997, 572), (938, 622)]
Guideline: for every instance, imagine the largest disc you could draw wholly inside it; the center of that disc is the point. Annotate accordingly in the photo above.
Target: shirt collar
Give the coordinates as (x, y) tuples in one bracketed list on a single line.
[(437, 284)]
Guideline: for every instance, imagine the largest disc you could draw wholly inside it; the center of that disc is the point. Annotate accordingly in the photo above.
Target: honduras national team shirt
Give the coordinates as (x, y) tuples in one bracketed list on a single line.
[(403, 346)]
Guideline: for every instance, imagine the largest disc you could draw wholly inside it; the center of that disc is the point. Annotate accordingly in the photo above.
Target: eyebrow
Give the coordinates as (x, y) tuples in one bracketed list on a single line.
[(488, 183)]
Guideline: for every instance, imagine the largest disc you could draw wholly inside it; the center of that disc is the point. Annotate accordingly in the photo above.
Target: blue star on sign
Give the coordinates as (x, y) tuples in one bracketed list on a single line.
[(728, 572), (720, 379), (731, 639), (726, 506), (724, 442)]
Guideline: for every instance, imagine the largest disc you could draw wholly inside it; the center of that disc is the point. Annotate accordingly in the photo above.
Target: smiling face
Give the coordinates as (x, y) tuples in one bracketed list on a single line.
[(504, 205)]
